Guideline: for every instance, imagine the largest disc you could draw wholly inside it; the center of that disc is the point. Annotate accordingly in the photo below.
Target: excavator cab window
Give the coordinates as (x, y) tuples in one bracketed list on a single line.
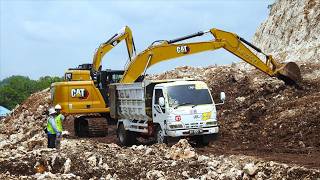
[(116, 78), (104, 78), (85, 66)]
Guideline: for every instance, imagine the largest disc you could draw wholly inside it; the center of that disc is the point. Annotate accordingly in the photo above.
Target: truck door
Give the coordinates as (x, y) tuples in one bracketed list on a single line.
[(158, 112)]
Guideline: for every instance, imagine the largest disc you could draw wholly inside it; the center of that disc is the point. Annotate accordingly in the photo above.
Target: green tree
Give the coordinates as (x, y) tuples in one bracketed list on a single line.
[(9, 97), (15, 89)]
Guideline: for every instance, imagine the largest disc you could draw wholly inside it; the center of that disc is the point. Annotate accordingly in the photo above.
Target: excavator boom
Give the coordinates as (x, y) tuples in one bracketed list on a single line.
[(166, 50), (124, 34)]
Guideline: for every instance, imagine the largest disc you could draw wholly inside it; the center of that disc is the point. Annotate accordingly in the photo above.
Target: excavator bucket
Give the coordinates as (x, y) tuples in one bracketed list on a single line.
[(290, 73)]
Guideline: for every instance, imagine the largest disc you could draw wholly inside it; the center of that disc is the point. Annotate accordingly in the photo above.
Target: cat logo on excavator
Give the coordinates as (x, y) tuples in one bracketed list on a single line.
[(79, 93), (183, 49)]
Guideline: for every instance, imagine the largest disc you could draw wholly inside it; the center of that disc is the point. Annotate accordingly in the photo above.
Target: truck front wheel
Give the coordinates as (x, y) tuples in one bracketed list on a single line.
[(204, 140), (159, 136), (125, 137)]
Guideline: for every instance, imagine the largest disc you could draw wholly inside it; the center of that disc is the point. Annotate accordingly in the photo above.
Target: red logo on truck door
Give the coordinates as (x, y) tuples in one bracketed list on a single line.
[(79, 93)]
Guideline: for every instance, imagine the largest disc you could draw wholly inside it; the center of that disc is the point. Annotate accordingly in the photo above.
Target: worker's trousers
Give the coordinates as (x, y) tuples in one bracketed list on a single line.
[(52, 140), (58, 142)]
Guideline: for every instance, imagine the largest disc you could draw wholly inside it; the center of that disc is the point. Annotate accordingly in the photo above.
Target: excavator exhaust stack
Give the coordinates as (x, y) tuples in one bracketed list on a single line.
[(290, 73)]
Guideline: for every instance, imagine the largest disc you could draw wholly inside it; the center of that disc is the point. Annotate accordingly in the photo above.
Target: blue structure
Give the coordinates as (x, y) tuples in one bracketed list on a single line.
[(4, 112)]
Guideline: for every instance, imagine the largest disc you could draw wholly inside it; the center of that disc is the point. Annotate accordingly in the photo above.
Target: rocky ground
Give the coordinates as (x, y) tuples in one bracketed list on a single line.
[(83, 159)]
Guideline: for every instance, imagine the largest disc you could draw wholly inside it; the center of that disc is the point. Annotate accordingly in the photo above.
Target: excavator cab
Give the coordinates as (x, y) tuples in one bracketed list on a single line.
[(106, 77)]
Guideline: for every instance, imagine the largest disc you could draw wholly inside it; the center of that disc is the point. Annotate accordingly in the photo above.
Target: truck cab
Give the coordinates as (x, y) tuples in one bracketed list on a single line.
[(164, 109), (184, 108)]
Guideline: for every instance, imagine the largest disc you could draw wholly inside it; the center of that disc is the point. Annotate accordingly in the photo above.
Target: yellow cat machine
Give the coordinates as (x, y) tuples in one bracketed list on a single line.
[(84, 93), (92, 96)]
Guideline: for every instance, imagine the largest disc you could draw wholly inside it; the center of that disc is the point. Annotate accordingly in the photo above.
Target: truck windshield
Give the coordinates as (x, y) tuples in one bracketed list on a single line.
[(188, 95)]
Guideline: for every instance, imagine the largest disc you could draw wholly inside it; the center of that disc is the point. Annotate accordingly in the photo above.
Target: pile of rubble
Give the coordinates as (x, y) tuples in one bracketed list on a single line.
[(23, 129), (84, 159)]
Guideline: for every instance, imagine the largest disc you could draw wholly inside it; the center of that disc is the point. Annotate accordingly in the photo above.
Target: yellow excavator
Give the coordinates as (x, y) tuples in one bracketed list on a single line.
[(86, 96), (85, 89)]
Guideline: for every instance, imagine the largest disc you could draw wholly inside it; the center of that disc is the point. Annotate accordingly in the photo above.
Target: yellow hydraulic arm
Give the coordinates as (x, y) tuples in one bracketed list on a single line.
[(166, 50), (124, 34)]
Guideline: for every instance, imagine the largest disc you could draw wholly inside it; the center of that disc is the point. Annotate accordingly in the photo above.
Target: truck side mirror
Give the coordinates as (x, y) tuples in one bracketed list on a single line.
[(222, 96), (161, 101)]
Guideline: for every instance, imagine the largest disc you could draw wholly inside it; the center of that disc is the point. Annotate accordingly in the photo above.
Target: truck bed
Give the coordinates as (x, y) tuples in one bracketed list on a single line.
[(133, 100), (130, 101)]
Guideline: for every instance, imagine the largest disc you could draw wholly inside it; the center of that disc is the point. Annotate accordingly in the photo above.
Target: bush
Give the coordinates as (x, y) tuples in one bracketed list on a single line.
[(15, 89)]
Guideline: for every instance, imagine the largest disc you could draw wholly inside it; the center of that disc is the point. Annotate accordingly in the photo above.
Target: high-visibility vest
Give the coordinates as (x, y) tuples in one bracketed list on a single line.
[(50, 128), (58, 122)]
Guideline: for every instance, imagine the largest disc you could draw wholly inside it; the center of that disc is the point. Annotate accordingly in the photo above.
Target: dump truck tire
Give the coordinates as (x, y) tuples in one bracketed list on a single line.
[(126, 138), (204, 140), (159, 137)]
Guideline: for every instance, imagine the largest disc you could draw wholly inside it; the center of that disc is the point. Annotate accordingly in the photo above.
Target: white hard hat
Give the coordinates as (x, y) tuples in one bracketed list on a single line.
[(52, 111), (57, 106)]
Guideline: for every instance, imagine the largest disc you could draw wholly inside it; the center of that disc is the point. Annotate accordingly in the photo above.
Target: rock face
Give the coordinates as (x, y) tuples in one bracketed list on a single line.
[(292, 31)]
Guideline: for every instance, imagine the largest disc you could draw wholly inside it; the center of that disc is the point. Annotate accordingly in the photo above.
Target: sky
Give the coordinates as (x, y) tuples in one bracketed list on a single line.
[(39, 38)]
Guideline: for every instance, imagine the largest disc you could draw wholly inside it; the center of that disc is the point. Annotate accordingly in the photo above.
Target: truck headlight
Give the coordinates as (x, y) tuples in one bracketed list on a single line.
[(212, 123)]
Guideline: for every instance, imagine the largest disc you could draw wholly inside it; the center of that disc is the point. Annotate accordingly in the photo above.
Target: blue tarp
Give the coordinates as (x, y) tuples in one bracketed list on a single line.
[(4, 111)]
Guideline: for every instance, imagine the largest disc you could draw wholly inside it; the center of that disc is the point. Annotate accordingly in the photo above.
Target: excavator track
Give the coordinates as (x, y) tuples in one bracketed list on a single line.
[(90, 126)]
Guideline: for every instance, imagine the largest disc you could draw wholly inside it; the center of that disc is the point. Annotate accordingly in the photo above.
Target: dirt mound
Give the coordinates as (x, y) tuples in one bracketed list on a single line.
[(23, 128)]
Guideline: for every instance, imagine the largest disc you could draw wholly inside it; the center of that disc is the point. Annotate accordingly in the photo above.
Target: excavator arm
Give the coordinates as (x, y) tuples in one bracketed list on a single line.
[(166, 50), (124, 34), (89, 71)]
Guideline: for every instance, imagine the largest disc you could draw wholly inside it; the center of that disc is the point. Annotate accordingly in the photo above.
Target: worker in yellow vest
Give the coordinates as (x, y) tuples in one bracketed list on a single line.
[(52, 129), (59, 119)]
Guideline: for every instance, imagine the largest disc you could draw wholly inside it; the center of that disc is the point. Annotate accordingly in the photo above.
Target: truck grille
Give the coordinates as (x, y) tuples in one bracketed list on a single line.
[(200, 124), (194, 125)]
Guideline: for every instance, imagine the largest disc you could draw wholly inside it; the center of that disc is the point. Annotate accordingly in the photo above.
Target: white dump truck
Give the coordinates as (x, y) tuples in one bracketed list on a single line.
[(161, 109)]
